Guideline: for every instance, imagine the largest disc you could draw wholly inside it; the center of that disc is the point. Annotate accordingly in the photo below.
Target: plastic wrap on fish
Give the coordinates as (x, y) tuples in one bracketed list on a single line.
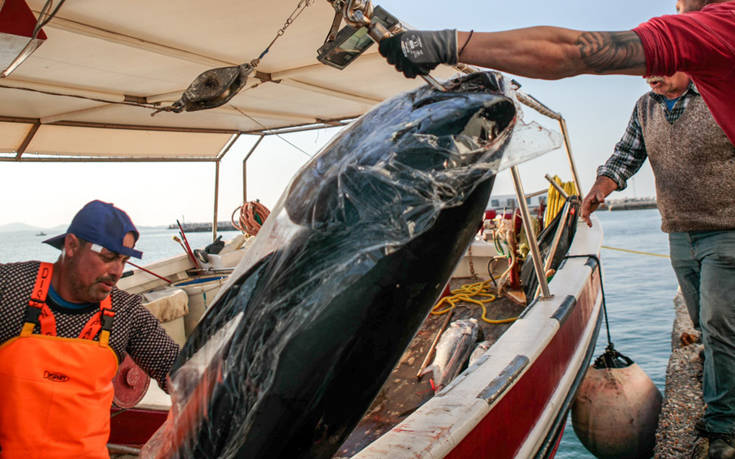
[(340, 277)]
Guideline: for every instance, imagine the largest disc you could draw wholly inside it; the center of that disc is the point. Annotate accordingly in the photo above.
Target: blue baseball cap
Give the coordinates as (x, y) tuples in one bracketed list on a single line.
[(103, 224)]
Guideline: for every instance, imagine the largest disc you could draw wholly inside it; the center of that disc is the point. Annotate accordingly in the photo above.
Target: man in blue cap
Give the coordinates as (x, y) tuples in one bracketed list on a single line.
[(107, 236), (64, 328)]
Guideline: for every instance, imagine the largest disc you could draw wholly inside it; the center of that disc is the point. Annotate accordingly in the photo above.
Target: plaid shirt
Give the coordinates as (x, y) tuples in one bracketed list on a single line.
[(630, 152)]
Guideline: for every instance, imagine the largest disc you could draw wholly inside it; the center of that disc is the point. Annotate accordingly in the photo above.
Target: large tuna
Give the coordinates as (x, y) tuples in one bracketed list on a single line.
[(339, 279)]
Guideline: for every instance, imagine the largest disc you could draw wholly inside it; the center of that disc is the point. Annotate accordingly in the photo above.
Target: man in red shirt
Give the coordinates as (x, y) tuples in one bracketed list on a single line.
[(700, 43)]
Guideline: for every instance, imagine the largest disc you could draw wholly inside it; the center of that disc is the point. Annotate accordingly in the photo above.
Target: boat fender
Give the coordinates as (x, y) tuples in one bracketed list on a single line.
[(616, 408)]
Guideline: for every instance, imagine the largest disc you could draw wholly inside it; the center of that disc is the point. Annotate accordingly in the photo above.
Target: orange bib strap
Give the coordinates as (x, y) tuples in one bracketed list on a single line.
[(38, 312), (100, 321)]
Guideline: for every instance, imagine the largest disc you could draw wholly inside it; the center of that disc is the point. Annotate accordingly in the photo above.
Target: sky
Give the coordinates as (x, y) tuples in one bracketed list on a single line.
[(596, 109)]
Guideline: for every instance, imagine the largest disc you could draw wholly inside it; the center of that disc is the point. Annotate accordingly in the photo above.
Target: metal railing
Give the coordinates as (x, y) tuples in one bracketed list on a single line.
[(540, 267)]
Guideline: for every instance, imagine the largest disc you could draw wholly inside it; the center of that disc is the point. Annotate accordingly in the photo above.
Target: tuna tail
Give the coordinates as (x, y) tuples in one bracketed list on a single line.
[(436, 373)]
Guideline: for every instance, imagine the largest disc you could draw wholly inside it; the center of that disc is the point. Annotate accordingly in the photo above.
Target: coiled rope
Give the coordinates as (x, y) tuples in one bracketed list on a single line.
[(252, 217), (477, 293)]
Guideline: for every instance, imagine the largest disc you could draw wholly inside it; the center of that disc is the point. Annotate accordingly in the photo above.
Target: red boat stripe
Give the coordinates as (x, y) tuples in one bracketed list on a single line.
[(502, 432)]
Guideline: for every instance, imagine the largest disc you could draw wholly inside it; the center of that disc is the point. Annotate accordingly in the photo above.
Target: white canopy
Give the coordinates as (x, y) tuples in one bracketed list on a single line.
[(72, 98)]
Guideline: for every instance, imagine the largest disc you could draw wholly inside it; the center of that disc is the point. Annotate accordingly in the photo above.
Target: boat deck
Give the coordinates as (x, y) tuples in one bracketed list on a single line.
[(403, 392)]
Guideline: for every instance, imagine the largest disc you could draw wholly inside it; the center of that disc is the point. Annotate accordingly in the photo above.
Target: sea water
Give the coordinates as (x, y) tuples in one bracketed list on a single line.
[(639, 288), (156, 243)]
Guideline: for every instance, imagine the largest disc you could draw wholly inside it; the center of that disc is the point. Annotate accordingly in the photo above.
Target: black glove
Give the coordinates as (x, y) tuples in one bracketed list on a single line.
[(416, 52)]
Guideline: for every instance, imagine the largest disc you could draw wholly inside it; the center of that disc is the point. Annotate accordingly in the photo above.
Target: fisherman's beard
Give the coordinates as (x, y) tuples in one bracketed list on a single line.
[(84, 291)]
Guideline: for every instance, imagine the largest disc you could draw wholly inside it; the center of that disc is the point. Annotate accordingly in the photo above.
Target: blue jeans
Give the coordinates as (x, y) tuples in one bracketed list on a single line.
[(704, 262)]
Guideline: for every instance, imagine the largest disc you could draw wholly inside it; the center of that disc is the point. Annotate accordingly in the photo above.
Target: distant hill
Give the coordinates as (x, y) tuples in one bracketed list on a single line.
[(15, 227), (58, 229)]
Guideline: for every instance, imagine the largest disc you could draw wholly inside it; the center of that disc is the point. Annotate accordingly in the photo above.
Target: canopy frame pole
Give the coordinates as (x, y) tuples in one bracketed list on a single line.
[(245, 169), (27, 140), (570, 158), (530, 101), (216, 200), (221, 155), (531, 234)]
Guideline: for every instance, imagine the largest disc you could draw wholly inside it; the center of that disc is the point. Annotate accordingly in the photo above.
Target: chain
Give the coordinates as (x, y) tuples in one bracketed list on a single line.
[(303, 4)]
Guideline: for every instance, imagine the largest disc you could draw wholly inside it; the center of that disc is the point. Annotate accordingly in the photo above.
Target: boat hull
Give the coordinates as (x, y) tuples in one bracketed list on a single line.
[(514, 401)]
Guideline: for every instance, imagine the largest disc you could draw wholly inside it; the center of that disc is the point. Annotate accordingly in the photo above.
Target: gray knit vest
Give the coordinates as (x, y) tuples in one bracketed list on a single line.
[(694, 166)]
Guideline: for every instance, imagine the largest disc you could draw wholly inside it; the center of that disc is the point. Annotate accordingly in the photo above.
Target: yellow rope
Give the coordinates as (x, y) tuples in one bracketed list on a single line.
[(637, 252), (555, 201), (481, 293)]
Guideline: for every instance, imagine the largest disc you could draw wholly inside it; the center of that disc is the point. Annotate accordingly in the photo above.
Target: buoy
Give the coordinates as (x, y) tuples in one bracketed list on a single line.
[(616, 408), (130, 384)]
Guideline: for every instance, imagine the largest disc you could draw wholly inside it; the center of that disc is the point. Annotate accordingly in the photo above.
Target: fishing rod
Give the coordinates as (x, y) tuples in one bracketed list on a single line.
[(149, 272), (432, 348), (175, 238), (187, 246)]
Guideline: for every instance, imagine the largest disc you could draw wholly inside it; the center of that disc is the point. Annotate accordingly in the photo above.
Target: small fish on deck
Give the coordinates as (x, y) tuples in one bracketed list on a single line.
[(478, 352), (452, 351)]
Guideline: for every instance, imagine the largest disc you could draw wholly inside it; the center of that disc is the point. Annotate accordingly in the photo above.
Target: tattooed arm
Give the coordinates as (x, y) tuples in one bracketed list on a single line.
[(553, 52)]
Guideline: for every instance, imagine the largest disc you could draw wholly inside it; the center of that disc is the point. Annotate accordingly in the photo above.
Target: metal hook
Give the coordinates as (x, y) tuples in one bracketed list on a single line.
[(359, 13)]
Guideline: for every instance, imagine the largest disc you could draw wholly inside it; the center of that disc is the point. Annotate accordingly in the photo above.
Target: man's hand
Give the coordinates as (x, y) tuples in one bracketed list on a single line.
[(417, 52), (603, 186)]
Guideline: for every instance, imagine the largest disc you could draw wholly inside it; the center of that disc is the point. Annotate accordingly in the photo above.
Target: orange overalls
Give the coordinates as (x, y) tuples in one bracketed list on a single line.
[(55, 393)]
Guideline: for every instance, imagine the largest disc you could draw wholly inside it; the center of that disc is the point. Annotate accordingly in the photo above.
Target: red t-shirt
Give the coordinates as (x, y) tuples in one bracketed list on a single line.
[(702, 44)]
